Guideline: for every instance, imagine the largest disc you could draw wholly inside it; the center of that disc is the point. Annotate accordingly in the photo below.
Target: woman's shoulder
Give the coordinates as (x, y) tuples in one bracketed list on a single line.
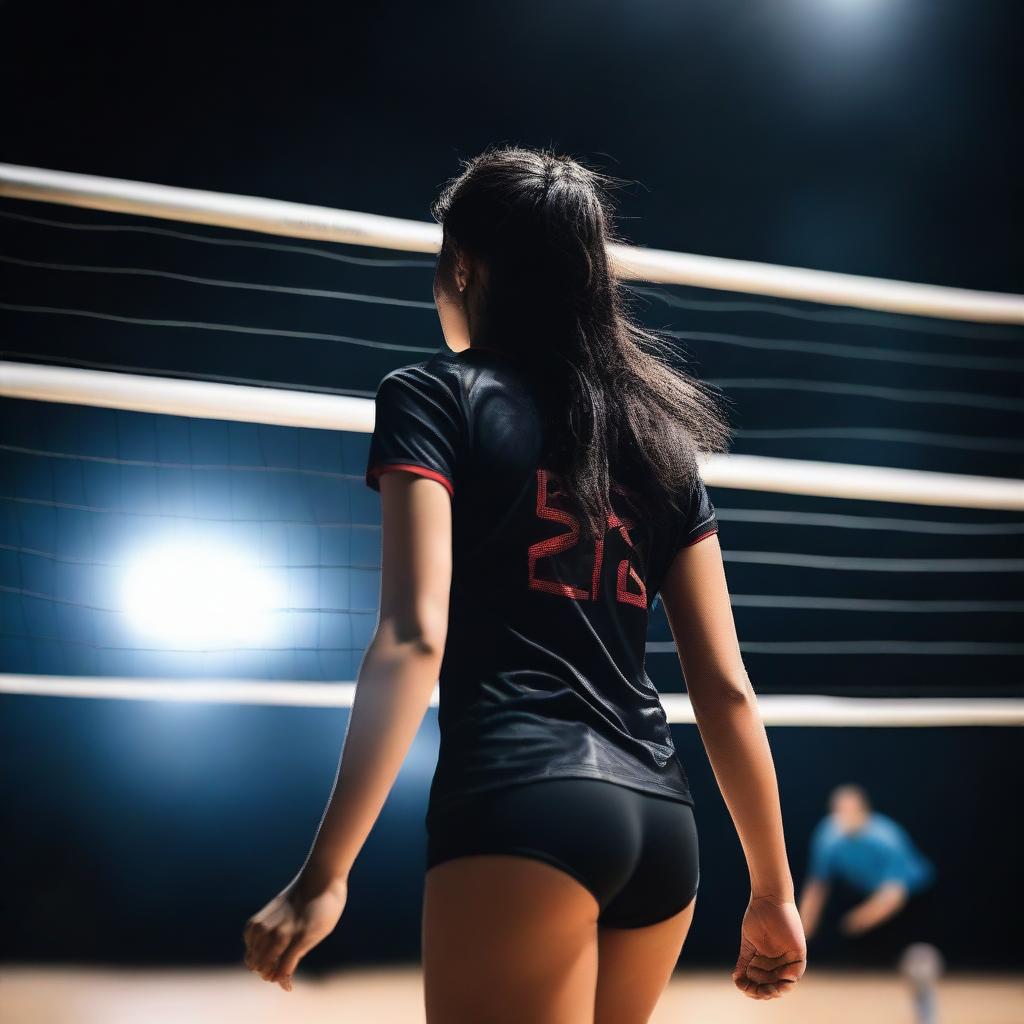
[(441, 369), (463, 378)]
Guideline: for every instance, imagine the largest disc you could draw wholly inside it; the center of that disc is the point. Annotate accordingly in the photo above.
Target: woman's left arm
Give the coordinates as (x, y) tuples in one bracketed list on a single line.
[(396, 679)]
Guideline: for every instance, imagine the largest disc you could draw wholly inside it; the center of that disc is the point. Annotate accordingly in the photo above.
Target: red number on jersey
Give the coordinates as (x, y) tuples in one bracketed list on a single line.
[(548, 489)]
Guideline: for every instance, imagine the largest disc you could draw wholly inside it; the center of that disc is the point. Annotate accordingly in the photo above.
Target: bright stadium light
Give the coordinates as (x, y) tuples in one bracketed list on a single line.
[(199, 595), (856, 29), (858, 7)]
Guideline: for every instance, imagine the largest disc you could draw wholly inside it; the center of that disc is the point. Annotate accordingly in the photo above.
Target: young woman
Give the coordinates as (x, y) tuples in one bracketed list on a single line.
[(539, 486)]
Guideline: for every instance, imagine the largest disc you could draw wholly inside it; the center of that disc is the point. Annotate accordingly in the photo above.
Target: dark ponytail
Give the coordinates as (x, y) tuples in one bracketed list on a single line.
[(616, 408)]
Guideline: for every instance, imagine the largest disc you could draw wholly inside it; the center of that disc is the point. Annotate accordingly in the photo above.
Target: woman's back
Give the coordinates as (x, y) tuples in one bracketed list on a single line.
[(543, 674), (562, 856)]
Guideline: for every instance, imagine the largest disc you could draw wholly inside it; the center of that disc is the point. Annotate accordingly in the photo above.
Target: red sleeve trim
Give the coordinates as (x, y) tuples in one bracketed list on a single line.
[(409, 467), (708, 533)]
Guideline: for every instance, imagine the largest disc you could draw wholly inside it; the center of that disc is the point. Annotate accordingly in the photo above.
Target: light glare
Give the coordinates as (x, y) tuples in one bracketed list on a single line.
[(199, 595)]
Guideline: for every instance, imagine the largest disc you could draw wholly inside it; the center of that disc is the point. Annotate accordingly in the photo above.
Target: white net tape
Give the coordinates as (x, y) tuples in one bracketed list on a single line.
[(776, 709), (308, 409)]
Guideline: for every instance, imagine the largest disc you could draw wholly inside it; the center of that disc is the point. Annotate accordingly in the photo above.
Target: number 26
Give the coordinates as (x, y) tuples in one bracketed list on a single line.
[(547, 489)]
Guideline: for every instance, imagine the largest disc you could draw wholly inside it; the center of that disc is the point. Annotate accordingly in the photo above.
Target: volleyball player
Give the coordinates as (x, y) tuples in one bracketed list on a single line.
[(890, 882), (539, 486)]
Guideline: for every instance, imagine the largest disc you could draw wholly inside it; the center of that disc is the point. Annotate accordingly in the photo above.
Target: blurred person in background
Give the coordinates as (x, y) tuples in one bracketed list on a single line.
[(873, 859)]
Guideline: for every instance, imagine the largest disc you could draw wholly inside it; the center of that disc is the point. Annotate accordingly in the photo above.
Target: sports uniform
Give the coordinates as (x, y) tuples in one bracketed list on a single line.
[(879, 852), (554, 741)]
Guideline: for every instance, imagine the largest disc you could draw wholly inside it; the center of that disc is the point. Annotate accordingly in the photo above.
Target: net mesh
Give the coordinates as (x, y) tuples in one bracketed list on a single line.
[(831, 595)]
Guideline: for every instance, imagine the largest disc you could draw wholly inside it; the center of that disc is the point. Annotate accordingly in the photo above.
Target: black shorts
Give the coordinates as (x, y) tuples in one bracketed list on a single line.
[(635, 851), (883, 945)]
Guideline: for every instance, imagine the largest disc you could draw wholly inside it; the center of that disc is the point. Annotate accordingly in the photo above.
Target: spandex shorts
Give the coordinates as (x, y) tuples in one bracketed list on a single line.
[(635, 851)]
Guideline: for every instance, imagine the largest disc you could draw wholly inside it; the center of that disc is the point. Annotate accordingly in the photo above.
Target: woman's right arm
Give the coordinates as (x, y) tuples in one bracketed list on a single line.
[(696, 598)]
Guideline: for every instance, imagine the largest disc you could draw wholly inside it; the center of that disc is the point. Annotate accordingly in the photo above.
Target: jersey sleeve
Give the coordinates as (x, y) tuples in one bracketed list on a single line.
[(700, 520), (895, 867), (418, 428), (897, 854)]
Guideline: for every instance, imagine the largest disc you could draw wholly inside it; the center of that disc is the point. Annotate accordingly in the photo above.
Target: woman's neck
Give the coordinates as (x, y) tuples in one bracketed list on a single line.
[(489, 345)]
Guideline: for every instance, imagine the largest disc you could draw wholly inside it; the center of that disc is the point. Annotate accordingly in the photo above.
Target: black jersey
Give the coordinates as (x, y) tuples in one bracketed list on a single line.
[(543, 671)]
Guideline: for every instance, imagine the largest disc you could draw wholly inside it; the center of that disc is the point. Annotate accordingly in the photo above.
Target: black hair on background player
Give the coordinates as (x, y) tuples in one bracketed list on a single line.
[(616, 405)]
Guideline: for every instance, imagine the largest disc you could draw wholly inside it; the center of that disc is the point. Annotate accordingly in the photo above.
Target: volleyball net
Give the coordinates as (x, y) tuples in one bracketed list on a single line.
[(177, 530)]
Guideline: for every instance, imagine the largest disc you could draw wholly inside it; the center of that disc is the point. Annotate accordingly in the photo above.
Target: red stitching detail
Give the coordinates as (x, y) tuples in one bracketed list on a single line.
[(409, 467), (595, 580), (553, 545), (623, 593), (624, 524)]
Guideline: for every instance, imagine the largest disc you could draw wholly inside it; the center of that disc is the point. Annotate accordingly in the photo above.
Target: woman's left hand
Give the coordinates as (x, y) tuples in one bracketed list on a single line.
[(290, 925)]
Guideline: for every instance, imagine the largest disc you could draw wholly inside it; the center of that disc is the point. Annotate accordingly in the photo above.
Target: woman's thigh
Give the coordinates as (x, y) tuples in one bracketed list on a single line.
[(636, 965), (642, 931), (521, 881), (508, 939)]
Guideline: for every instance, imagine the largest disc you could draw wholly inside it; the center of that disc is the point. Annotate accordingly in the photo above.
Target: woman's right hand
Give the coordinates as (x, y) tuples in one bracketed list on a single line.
[(773, 950), (290, 925)]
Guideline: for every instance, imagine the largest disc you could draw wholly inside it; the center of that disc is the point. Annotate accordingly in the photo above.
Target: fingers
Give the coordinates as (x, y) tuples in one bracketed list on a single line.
[(254, 934), (762, 990), (771, 969), (759, 982), (289, 961), (261, 940), (264, 947), (271, 953)]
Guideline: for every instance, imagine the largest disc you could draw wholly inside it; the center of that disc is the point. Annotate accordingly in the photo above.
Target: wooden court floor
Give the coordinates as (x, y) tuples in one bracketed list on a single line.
[(71, 995)]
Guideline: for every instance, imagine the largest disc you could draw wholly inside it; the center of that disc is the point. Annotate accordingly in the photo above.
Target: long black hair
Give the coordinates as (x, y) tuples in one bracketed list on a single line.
[(615, 406)]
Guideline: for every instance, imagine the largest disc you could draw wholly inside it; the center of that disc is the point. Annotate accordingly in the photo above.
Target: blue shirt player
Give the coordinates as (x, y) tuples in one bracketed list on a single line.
[(870, 852)]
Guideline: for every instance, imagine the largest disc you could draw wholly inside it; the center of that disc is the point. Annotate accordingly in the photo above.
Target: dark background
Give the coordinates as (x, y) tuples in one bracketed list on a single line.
[(871, 138), (868, 137)]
